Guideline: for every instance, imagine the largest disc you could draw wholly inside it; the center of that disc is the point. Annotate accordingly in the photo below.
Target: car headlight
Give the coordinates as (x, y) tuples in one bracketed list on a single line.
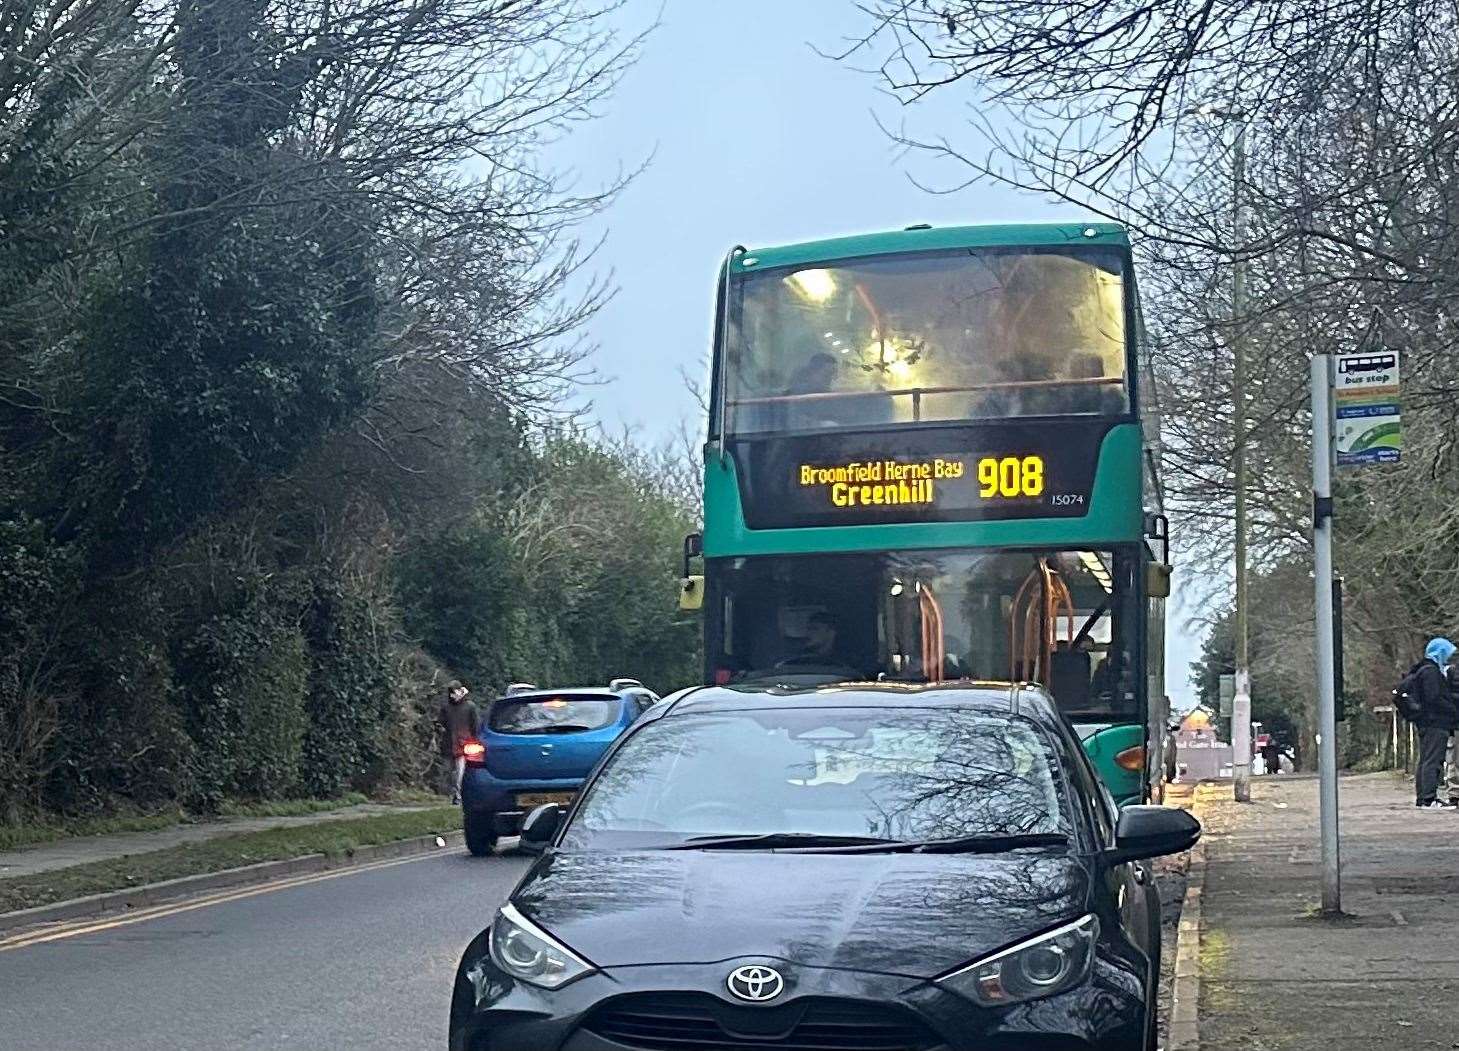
[(527, 952), (1039, 967)]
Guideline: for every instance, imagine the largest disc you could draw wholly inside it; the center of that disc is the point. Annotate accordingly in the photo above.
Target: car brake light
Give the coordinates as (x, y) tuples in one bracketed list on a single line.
[(473, 749), (1131, 758)]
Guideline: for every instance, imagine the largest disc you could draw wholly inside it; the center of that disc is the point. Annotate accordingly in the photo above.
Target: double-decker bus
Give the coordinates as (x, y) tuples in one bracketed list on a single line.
[(926, 462)]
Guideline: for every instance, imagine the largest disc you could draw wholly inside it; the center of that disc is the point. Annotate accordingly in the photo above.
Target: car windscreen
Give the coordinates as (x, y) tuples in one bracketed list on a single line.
[(556, 714), (901, 774)]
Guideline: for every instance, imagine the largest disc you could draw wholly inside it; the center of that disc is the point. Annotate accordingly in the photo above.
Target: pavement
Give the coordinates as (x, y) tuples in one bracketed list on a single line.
[(1275, 975), (358, 959), (79, 850)]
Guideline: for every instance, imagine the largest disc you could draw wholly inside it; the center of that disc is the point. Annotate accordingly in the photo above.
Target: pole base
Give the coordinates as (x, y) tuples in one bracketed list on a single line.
[(1241, 783)]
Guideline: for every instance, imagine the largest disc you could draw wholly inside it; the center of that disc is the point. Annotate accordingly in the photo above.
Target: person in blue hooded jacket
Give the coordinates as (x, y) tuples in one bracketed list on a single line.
[(1437, 720)]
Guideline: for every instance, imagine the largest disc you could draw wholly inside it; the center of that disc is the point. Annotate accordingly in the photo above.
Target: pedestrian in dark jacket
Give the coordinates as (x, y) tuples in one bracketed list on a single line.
[(457, 719), (1437, 720), (1271, 754)]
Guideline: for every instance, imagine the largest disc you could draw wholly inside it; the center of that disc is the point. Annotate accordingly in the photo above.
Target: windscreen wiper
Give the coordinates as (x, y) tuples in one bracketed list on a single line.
[(991, 844), (807, 841)]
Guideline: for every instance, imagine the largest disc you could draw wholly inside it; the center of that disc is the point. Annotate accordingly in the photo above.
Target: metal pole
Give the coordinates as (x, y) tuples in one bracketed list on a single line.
[(1241, 704), (1322, 576)]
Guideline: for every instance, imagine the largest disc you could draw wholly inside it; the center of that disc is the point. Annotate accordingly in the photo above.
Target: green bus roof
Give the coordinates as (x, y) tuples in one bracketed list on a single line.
[(923, 239)]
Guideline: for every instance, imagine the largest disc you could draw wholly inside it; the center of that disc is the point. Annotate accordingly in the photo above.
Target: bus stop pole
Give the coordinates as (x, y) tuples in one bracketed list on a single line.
[(1322, 578), (1241, 704)]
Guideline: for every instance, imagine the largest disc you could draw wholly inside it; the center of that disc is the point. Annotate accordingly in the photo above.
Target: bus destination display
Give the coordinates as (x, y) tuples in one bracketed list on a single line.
[(886, 483), (999, 473)]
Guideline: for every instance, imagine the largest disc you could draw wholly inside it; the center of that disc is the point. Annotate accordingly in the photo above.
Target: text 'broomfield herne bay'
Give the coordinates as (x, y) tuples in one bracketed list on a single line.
[(872, 482)]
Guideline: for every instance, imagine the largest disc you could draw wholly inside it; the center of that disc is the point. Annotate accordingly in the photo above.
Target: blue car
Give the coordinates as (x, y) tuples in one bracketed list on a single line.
[(538, 746)]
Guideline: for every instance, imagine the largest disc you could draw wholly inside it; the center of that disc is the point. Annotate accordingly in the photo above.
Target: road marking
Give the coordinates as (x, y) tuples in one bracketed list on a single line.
[(76, 928)]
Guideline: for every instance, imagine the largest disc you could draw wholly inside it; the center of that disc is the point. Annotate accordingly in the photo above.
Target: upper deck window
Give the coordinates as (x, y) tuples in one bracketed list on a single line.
[(968, 334)]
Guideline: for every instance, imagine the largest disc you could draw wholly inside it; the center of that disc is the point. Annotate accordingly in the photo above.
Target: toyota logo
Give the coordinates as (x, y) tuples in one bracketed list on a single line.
[(755, 984)]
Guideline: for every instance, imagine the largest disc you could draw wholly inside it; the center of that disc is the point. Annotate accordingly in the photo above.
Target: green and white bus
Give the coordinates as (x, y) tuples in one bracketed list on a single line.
[(927, 462)]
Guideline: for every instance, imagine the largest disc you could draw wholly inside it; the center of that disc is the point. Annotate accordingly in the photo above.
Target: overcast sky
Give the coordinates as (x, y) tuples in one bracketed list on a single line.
[(756, 140)]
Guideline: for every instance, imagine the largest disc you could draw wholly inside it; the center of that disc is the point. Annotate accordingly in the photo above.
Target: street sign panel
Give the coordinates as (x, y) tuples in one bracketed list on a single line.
[(1227, 685), (1365, 397)]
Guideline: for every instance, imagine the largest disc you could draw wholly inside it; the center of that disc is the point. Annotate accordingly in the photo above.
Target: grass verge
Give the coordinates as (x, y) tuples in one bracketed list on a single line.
[(330, 837), (50, 829), (292, 807)]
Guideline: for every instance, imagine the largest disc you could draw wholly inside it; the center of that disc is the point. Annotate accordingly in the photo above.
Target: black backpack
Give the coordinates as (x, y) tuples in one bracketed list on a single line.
[(1406, 695)]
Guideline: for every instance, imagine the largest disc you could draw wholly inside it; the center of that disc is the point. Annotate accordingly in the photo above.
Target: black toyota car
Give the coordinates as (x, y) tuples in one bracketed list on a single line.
[(873, 867)]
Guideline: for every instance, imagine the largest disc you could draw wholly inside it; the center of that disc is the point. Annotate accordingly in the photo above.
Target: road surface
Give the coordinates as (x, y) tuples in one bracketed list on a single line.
[(359, 960)]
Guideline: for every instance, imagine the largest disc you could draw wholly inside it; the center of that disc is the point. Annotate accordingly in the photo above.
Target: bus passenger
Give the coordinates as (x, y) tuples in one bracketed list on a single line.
[(1106, 678), (1019, 389), (817, 375), (1091, 398), (1001, 400)]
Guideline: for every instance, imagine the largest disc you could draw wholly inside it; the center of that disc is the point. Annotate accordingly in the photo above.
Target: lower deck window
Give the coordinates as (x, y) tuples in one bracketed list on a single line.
[(1068, 619)]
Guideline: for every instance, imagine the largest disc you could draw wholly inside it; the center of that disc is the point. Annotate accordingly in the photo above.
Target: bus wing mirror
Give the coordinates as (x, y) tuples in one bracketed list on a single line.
[(1157, 580), (691, 593), (691, 586), (693, 548)]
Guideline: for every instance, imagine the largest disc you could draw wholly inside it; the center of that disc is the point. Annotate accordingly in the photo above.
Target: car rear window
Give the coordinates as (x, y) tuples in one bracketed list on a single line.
[(561, 714)]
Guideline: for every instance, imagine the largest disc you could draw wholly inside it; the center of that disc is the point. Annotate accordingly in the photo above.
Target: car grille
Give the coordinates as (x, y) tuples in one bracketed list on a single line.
[(690, 1021)]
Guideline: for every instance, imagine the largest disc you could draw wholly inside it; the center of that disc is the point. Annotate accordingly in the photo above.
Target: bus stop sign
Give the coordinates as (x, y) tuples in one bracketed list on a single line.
[(1365, 399)]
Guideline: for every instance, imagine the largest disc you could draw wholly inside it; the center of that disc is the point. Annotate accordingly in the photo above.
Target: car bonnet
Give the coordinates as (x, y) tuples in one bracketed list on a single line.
[(908, 914)]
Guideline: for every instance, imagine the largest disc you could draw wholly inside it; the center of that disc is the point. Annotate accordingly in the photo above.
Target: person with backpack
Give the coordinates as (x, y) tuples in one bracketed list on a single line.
[(1431, 706), (1451, 761)]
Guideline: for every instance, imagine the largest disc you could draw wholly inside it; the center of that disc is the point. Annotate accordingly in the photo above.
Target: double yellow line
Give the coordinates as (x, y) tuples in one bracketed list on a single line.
[(76, 928)]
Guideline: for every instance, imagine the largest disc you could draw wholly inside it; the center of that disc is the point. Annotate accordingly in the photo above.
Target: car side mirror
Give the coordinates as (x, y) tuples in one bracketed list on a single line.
[(1152, 832), (540, 826)]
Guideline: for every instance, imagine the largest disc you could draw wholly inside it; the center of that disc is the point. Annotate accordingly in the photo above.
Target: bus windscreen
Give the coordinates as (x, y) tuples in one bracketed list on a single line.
[(967, 334), (1067, 619)]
